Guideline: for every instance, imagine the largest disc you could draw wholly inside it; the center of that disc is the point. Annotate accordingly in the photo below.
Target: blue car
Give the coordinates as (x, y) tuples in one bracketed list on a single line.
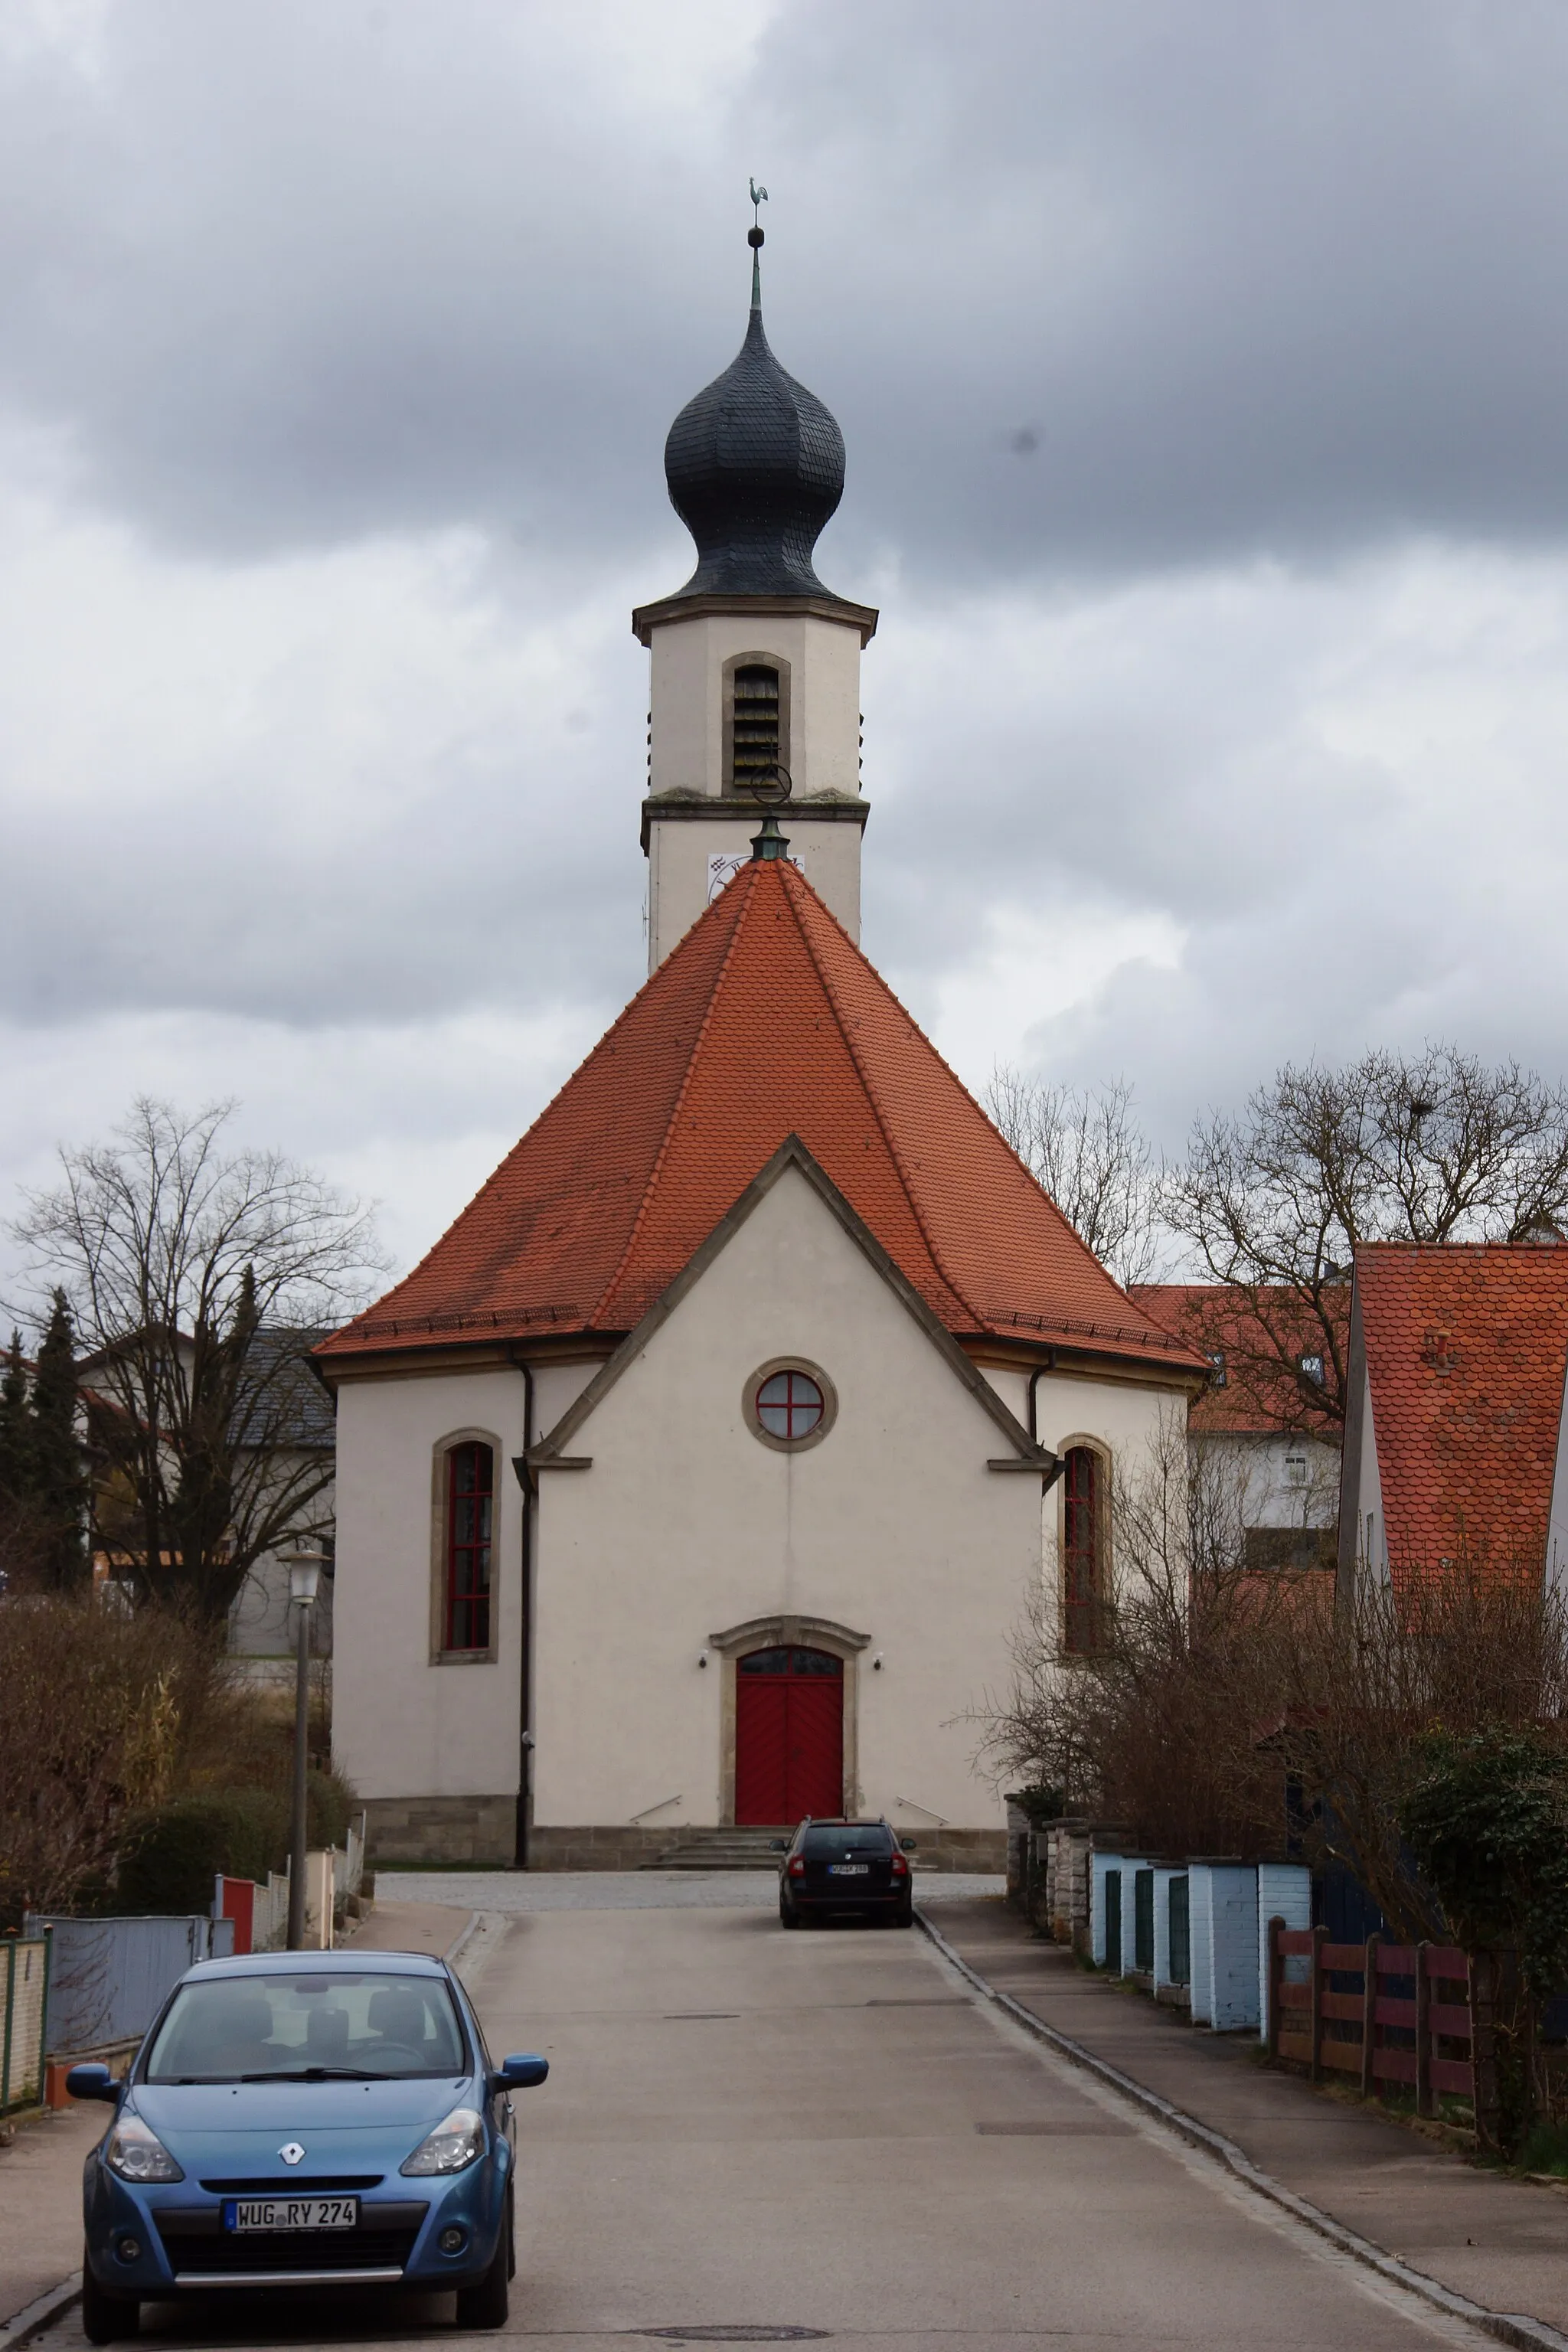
[(304, 2119)]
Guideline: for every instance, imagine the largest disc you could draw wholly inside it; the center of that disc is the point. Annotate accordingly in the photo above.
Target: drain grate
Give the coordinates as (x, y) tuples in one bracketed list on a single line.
[(696, 2016), (736, 2334), (1042, 2130)]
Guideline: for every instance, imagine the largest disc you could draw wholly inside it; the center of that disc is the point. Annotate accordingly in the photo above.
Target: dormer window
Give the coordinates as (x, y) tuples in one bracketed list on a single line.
[(756, 723)]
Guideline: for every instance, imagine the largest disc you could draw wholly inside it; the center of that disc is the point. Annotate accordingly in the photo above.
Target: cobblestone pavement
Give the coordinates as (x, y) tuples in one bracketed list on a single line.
[(629, 1890)]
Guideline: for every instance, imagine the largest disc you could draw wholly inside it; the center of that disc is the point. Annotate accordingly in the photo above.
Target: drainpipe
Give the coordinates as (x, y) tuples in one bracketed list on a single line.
[(525, 1666)]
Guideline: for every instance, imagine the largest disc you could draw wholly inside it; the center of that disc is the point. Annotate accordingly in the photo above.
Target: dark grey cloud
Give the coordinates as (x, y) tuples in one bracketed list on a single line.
[(1089, 283)]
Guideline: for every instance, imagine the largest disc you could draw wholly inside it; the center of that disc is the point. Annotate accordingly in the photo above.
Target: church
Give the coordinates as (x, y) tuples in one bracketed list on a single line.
[(697, 1477)]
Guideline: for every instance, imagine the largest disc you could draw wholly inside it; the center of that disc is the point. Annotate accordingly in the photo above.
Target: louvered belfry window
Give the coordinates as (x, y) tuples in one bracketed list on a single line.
[(754, 744)]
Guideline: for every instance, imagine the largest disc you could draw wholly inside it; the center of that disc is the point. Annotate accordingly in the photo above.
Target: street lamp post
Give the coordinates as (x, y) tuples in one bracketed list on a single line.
[(304, 1576)]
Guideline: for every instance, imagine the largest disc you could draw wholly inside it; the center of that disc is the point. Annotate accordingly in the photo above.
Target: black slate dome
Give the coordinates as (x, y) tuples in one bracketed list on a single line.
[(755, 468)]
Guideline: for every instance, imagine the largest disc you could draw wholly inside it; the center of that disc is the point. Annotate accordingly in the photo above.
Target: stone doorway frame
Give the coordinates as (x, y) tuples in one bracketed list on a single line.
[(788, 1631)]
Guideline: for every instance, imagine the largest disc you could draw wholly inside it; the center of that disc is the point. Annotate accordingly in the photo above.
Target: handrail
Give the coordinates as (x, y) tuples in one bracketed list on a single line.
[(940, 1819), (636, 1818)]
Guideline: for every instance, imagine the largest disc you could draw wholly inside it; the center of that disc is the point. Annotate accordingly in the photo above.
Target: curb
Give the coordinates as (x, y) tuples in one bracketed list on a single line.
[(26, 2324), (460, 1943), (1509, 2327)]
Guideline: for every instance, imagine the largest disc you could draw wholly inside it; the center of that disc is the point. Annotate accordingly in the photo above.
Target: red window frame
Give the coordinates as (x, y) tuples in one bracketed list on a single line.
[(470, 1512), (1083, 1550), (808, 1408)]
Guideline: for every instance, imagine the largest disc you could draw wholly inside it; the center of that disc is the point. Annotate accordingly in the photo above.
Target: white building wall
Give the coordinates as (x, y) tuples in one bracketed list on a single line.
[(686, 1524), (1284, 1892), (1228, 1931), (401, 1725), (683, 882)]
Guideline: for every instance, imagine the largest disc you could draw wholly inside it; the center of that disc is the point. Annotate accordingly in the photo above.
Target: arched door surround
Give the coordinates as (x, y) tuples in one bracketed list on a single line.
[(799, 1705)]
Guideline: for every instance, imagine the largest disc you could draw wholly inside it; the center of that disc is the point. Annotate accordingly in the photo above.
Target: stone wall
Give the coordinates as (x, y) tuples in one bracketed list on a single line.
[(441, 1829)]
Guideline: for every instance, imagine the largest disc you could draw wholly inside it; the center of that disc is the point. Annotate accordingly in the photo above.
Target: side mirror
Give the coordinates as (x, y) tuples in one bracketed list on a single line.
[(92, 2082), (778, 1845), (907, 1845), (519, 2073)]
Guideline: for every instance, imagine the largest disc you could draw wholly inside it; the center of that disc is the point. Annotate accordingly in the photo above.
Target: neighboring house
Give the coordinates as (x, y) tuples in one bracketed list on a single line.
[(1268, 1455), (1453, 1439), (299, 1433), (702, 1472)]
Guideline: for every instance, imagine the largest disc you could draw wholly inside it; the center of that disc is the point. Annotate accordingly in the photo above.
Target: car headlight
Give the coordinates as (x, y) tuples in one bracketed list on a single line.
[(455, 2143), (137, 2154)]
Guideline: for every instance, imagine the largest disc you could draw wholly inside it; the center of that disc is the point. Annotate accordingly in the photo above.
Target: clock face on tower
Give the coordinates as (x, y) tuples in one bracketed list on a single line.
[(722, 870)]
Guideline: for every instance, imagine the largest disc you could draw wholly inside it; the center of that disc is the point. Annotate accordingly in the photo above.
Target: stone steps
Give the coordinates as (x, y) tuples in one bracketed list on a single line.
[(726, 1849)]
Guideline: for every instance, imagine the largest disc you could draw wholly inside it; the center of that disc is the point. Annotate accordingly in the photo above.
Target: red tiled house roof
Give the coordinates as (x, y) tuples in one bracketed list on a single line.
[(1256, 1401), (1466, 1347), (766, 1022)]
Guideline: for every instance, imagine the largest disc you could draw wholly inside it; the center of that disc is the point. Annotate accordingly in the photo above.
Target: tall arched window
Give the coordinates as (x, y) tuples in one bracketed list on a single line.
[(471, 1505), (755, 748), (1083, 1551)]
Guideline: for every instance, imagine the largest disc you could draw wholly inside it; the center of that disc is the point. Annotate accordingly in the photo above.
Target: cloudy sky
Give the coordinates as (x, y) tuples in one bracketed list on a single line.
[(1204, 369)]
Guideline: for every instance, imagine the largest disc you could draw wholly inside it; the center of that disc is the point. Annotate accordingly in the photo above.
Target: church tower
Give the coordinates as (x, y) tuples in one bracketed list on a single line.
[(755, 664)]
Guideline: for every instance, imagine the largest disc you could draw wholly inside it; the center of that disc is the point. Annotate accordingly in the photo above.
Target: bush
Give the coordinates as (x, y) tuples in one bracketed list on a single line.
[(172, 1853)]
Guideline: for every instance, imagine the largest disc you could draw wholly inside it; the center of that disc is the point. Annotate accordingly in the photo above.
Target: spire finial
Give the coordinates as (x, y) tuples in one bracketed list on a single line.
[(754, 239)]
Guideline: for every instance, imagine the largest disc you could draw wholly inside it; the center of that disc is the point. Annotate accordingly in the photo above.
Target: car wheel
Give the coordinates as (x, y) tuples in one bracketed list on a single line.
[(486, 2303), (106, 2317), (906, 1917), (788, 1918)]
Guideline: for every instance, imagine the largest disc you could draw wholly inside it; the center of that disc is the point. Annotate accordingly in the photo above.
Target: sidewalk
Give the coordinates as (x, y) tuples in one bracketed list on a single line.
[(41, 2173), (1503, 2242)]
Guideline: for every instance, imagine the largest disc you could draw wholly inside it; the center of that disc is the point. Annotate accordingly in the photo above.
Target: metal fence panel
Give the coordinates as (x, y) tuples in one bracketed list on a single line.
[(24, 1986), (110, 1978)]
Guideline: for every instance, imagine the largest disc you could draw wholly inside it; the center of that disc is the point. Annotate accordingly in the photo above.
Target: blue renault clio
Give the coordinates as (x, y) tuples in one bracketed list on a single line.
[(304, 2119)]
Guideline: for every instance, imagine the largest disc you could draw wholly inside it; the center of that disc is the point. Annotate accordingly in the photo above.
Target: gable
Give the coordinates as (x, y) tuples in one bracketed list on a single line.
[(792, 1269)]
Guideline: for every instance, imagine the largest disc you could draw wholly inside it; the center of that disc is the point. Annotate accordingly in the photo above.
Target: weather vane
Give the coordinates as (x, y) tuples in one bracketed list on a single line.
[(754, 239), (759, 198)]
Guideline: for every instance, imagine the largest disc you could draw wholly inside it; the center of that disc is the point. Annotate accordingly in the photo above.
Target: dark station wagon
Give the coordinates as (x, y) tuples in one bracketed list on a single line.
[(839, 1868)]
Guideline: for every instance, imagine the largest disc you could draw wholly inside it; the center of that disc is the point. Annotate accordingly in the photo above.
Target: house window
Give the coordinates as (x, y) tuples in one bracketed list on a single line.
[(1295, 1469), (754, 746), (1313, 1369), (1083, 1550), (1218, 1376), (470, 1503)]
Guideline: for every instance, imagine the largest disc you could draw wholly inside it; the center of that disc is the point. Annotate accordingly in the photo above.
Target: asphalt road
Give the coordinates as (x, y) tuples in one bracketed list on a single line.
[(750, 2131)]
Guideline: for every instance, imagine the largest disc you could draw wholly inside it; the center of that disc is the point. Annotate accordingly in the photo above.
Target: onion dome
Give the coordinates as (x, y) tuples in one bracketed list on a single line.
[(755, 468)]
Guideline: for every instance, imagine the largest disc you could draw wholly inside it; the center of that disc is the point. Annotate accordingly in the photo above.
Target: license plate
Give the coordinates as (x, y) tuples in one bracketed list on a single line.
[(290, 2214), (848, 1870)]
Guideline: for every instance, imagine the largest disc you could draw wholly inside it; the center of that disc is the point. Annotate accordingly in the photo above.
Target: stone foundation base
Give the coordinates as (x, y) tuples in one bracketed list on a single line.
[(608, 1846), (445, 1830), (438, 1830)]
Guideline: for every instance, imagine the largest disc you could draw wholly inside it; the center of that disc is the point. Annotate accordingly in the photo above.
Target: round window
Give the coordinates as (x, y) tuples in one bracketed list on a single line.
[(789, 1404)]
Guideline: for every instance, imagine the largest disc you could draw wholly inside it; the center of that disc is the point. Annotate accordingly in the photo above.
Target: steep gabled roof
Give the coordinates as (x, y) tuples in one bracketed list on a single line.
[(1467, 1346), (766, 1022), (1257, 1397)]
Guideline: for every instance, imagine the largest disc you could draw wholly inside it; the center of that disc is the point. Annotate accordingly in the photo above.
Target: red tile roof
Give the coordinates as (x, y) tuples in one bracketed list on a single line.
[(1466, 1344), (1256, 1399), (766, 1022)]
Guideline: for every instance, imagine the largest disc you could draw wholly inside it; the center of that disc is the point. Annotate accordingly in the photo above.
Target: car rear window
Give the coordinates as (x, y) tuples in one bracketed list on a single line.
[(846, 1838), (319, 2025)]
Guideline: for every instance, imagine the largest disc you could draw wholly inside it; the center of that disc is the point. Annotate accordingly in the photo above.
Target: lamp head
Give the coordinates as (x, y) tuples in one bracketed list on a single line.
[(304, 1577)]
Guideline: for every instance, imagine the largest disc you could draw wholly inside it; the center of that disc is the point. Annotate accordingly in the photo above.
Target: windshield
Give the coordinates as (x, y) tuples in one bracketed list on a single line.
[(319, 2027), (848, 1837)]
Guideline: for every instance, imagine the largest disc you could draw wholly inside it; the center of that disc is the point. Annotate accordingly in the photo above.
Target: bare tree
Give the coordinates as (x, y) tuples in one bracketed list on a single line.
[(1432, 1148), (199, 1276), (1094, 1160)]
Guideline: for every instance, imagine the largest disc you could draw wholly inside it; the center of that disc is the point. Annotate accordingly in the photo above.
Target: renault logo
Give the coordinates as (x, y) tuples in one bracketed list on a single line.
[(291, 2151)]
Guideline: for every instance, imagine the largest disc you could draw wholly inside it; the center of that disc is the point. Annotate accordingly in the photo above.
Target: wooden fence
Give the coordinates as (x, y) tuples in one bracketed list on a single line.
[(1423, 2037)]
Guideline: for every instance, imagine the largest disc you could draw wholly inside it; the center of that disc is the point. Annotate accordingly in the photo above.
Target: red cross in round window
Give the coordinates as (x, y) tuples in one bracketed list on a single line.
[(789, 1404)]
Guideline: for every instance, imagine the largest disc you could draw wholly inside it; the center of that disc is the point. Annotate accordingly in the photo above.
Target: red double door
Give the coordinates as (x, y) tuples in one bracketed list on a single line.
[(789, 1736)]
